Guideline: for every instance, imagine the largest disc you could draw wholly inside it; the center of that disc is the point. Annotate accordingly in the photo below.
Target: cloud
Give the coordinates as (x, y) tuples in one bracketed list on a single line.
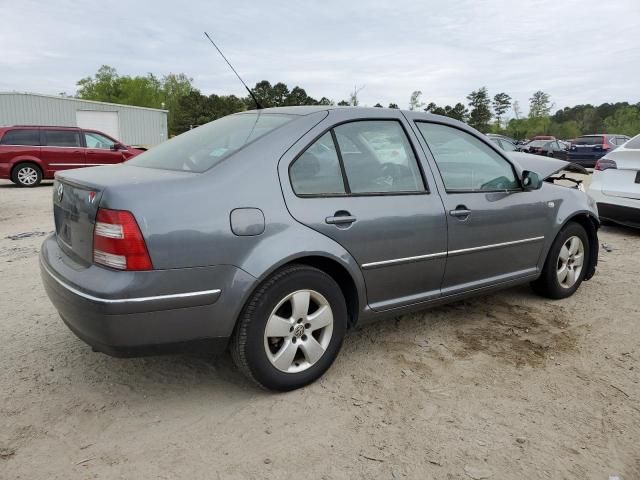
[(578, 51)]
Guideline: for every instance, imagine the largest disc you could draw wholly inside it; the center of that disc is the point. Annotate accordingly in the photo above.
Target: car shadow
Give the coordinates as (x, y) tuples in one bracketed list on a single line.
[(13, 185)]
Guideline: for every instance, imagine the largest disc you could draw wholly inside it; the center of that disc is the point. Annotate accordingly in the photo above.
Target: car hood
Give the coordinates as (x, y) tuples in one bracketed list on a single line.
[(543, 166)]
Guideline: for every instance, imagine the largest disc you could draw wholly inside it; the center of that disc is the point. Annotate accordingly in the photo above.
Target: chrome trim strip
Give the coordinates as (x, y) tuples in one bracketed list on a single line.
[(403, 260), (78, 164), (128, 300), (495, 245), (418, 258)]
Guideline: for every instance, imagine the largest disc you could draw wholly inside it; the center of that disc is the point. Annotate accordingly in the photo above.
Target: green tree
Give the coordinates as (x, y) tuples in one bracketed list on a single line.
[(458, 111), (540, 105), (393, 105), (625, 121), (480, 114), (501, 104), (377, 105), (343, 103), (414, 100)]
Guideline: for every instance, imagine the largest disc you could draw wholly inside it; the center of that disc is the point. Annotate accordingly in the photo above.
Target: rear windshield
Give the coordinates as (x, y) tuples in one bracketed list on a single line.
[(633, 143), (537, 143), (201, 148), (588, 141)]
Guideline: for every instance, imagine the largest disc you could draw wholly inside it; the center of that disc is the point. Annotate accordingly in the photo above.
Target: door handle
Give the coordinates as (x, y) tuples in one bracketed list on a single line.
[(341, 217), (460, 211)]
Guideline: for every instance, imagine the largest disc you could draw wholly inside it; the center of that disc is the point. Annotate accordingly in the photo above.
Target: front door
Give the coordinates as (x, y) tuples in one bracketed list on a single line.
[(360, 184), (495, 228), (101, 150)]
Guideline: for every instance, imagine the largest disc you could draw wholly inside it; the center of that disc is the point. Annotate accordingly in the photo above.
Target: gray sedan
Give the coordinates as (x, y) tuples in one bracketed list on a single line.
[(275, 231)]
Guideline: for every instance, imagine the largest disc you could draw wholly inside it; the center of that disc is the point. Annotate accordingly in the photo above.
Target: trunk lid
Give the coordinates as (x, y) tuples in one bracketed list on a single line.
[(77, 194), (74, 209), (624, 180)]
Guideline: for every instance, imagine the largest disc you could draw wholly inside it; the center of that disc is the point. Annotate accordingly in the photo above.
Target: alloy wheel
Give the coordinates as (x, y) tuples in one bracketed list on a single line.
[(298, 331), (570, 261), (27, 176)]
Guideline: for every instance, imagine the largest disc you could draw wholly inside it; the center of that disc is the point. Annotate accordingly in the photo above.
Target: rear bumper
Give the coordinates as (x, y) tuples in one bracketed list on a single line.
[(628, 216), (142, 313)]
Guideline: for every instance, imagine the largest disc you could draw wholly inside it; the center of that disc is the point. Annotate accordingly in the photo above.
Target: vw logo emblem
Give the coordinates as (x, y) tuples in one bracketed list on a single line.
[(298, 331), (60, 192)]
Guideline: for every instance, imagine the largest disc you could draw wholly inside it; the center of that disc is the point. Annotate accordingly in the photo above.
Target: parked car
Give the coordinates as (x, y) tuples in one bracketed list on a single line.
[(588, 149), (505, 145), (536, 147), (502, 137), (29, 154), (555, 149), (543, 137), (274, 231), (615, 185)]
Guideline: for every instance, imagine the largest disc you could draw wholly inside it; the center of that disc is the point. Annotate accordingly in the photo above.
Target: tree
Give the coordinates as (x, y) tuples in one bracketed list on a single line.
[(459, 112), (353, 96), (414, 100), (393, 105), (625, 121), (516, 109), (343, 103), (540, 105), (501, 104), (104, 86), (480, 114), (377, 105)]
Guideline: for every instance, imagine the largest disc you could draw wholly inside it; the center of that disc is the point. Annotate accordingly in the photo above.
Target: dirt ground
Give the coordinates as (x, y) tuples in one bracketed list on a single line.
[(503, 386)]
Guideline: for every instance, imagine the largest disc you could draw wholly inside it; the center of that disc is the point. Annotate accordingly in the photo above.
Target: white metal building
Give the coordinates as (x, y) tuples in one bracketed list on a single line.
[(131, 125)]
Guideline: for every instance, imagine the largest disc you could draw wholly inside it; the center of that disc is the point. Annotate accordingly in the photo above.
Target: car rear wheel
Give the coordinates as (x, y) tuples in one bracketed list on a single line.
[(291, 329), (566, 263), (26, 175)]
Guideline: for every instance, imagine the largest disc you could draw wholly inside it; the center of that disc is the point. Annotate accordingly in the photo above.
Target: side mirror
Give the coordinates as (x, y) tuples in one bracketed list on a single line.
[(118, 146), (531, 180)]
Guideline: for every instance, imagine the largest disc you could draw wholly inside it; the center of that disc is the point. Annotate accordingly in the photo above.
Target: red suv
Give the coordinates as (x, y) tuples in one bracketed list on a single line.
[(30, 153)]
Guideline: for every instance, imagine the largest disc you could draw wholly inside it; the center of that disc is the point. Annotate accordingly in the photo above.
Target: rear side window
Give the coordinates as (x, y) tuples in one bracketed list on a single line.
[(203, 147), (589, 141), (317, 171), (62, 138), (465, 163), (378, 158), (21, 137), (361, 157)]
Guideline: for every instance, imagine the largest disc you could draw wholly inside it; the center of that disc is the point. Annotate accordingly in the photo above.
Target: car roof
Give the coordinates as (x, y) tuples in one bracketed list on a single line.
[(42, 126)]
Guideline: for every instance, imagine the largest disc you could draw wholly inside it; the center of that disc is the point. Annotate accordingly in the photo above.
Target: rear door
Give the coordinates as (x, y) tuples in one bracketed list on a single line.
[(495, 229), (62, 149), (361, 184), (100, 149)]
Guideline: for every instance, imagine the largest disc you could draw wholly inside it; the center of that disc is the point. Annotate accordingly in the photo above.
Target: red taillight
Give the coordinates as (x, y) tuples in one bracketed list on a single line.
[(118, 241), (605, 164)]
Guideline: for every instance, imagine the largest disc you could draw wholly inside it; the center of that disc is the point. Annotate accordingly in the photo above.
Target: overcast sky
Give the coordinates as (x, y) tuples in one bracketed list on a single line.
[(579, 51)]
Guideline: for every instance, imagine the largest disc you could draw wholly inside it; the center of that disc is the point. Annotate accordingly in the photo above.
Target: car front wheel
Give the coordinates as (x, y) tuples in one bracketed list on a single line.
[(566, 263), (291, 329)]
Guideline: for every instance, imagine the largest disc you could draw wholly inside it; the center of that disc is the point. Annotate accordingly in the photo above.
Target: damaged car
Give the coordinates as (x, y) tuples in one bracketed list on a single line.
[(274, 231)]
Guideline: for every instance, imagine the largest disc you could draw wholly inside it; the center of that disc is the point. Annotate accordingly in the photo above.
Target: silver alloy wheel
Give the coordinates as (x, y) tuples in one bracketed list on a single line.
[(570, 262), (298, 331), (27, 175)]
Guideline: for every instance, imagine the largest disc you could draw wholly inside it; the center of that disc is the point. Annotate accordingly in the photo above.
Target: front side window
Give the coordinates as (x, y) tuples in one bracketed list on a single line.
[(203, 147), (317, 171), (21, 137), (95, 140), (62, 138), (378, 158), (465, 163)]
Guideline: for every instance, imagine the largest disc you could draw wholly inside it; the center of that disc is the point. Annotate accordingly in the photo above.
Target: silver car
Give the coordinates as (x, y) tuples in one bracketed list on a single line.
[(275, 231)]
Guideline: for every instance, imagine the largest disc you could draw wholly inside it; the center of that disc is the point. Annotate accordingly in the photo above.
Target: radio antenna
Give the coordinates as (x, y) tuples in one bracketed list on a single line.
[(258, 105)]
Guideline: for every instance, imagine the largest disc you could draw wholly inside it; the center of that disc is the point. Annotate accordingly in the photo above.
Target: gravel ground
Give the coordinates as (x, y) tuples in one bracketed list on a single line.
[(502, 386)]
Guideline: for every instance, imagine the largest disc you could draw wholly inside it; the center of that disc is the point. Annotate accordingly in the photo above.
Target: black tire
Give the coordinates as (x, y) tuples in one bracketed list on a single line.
[(248, 343), (18, 177), (548, 285)]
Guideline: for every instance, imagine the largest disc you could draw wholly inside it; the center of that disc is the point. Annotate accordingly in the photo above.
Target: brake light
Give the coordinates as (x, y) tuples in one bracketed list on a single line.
[(605, 164), (118, 242)]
